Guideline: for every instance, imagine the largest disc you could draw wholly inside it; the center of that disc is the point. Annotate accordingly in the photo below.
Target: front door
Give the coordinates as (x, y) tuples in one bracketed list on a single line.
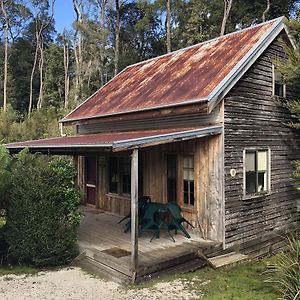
[(91, 179)]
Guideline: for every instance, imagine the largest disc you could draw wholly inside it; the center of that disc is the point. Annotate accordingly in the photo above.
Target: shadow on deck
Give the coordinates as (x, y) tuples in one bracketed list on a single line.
[(106, 249)]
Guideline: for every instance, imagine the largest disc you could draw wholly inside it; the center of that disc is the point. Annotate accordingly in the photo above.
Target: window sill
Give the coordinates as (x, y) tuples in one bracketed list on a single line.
[(126, 197), (275, 97), (256, 196), (192, 210)]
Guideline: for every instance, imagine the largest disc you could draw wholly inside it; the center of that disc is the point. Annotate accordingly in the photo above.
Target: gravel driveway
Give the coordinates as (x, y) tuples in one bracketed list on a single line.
[(75, 284)]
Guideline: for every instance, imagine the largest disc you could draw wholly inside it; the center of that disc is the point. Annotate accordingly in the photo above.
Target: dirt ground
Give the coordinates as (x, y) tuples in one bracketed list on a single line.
[(73, 283)]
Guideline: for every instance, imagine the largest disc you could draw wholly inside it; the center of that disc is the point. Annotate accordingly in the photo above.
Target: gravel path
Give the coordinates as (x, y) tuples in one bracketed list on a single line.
[(75, 284)]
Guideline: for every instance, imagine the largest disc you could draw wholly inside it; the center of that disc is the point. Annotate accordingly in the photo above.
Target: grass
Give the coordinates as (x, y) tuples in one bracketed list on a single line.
[(243, 281), (18, 270), (240, 282)]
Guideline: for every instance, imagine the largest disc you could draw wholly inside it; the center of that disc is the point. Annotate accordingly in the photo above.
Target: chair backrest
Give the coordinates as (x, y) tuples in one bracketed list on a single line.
[(150, 210), (143, 201), (175, 210)]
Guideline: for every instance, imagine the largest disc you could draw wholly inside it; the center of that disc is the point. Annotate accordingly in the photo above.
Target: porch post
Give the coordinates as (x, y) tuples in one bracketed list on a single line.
[(134, 213)]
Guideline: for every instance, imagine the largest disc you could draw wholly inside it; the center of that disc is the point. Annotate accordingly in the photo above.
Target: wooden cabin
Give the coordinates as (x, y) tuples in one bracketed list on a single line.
[(202, 127)]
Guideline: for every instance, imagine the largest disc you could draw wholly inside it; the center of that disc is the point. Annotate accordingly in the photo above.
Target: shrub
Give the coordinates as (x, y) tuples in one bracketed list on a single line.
[(285, 271), (43, 212), (5, 160)]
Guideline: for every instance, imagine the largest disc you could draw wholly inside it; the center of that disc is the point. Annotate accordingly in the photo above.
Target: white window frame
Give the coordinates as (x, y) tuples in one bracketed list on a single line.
[(257, 194), (273, 84)]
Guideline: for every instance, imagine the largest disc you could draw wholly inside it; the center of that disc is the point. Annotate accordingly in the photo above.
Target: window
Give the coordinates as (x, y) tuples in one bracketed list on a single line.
[(278, 83), (256, 171), (171, 178), (113, 175), (126, 178), (188, 180), (119, 175)]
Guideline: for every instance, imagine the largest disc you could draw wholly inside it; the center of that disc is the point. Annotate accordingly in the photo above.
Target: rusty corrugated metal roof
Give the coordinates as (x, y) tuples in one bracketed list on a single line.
[(190, 74), (115, 140)]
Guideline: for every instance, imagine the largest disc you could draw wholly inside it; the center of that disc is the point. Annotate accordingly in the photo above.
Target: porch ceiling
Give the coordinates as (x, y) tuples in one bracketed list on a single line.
[(116, 141)]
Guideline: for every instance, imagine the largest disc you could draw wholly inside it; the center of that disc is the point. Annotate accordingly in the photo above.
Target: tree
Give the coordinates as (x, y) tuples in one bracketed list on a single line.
[(14, 16), (290, 69), (227, 9), (168, 25), (42, 20)]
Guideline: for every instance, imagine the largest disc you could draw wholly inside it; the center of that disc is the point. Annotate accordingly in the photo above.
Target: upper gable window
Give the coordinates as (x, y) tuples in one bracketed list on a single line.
[(279, 87)]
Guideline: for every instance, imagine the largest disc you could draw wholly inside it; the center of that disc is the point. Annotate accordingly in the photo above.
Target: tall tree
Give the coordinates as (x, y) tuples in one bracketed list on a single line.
[(117, 37), (227, 9), (43, 19), (3, 8), (168, 25), (14, 16), (66, 46)]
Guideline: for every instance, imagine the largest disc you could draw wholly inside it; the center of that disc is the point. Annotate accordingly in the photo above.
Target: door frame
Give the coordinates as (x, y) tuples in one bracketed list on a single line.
[(86, 185)]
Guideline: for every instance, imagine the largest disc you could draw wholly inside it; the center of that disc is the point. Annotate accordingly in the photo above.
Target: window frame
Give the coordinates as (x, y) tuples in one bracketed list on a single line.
[(268, 190), (273, 84), (188, 205), (120, 174)]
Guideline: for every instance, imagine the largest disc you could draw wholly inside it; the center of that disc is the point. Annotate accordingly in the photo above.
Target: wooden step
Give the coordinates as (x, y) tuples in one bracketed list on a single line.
[(226, 259)]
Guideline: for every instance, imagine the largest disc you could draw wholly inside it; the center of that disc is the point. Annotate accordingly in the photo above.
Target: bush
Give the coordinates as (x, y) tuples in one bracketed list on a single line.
[(43, 212), (285, 271)]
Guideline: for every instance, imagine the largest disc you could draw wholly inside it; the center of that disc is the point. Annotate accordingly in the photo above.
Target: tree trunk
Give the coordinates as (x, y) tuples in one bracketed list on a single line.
[(266, 11), (168, 25), (5, 56), (66, 71), (78, 50), (117, 38), (103, 40), (32, 75), (41, 71), (227, 9)]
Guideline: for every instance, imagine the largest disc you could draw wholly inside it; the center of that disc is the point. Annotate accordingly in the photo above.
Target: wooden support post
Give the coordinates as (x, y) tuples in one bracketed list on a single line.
[(134, 213)]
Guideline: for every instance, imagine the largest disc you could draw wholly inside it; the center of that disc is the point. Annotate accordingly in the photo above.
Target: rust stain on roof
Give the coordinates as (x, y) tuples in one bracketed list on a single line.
[(175, 78), (96, 139)]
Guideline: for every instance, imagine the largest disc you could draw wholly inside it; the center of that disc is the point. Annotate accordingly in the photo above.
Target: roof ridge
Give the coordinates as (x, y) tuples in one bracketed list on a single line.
[(203, 43)]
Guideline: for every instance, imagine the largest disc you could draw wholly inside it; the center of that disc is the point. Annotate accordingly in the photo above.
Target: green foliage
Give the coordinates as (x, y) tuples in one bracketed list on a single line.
[(42, 215), (14, 127), (5, 160), (285, 272)]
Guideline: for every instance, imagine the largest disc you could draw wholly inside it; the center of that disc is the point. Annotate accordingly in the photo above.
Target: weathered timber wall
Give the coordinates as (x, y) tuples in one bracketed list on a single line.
[(206, 215), (168, 120), (253, 118)]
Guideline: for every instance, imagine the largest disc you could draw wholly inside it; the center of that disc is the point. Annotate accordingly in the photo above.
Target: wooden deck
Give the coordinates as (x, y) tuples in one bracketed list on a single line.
[(105, 246)]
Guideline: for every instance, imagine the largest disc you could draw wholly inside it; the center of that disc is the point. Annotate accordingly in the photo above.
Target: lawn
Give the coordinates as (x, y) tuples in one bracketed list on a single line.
[(242, 281)]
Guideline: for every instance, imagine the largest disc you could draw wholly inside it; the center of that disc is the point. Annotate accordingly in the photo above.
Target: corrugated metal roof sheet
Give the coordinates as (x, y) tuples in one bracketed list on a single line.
[(187, 75), (115, 140)]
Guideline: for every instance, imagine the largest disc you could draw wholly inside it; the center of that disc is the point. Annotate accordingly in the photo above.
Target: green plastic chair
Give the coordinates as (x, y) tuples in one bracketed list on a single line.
[(142, 203), (150, 220), (177, 219)]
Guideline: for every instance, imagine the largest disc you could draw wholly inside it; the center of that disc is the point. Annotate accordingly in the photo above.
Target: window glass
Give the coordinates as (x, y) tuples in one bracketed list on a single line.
[(278, 84), (256, 169), (113, 175), (126, 177), (188, 180)]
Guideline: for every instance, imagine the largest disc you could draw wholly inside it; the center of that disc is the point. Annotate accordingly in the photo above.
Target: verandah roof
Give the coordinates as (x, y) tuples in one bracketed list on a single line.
[(113, 141)]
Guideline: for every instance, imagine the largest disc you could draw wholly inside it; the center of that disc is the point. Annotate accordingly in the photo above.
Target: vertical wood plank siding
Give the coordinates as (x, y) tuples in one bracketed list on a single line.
[(168, 121), (253, 118)]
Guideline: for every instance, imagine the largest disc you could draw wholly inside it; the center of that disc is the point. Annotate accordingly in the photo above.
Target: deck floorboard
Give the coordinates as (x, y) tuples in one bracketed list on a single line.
[(100, 231)]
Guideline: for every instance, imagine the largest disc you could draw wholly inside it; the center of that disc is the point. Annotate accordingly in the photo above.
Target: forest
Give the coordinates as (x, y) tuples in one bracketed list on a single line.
[(45, 73)]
